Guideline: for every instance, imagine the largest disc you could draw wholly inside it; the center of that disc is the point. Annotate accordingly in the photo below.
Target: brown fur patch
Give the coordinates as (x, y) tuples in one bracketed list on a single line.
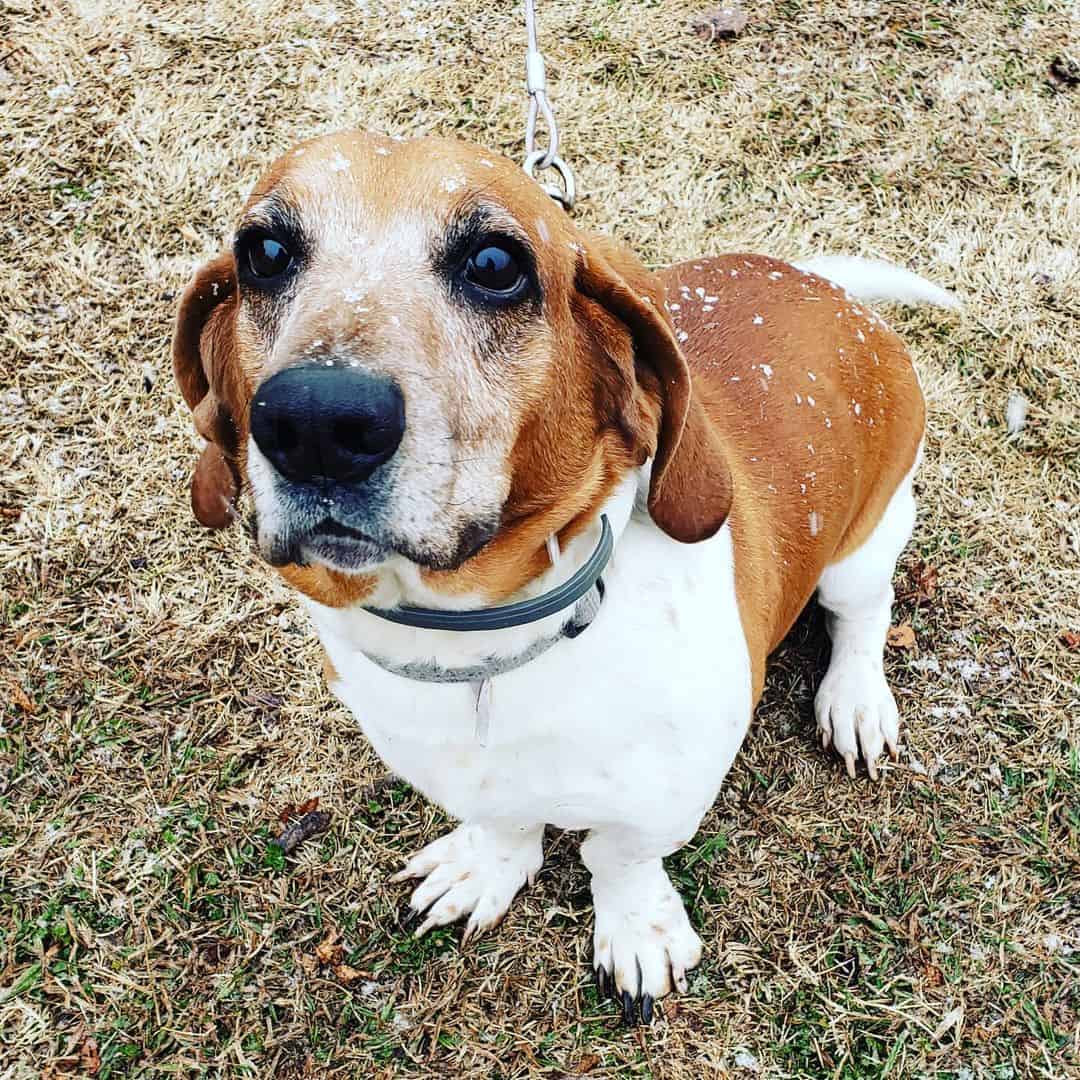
[(329, 587), (819, 411), (330, 673)]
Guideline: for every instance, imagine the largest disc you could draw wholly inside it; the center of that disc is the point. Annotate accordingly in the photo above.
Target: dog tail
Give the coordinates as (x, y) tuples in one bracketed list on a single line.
[(870, 280)]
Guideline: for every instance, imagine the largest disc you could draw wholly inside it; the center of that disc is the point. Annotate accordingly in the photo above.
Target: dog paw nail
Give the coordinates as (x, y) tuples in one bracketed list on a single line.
[(628, 1009), (647, 1009)]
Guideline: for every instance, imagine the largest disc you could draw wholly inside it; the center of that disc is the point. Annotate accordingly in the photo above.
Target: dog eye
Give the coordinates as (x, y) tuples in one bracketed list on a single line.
[(266, 257), (494, 270)]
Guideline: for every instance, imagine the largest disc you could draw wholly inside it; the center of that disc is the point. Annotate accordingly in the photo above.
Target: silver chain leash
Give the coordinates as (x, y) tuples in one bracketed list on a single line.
[(544, 158)]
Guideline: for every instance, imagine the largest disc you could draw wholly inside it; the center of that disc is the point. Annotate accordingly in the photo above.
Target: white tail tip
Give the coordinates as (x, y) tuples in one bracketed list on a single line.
[(871, 280)]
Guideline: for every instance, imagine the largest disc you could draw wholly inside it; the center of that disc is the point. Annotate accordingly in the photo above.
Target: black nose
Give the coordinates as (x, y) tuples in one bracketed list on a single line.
[(327, 423)]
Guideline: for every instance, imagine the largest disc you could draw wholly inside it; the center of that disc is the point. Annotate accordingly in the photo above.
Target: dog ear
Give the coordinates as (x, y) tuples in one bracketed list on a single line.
[(690, 485), (202, 347)]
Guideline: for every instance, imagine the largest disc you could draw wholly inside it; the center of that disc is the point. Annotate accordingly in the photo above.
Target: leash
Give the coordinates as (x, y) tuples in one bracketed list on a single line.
[(539, 105)]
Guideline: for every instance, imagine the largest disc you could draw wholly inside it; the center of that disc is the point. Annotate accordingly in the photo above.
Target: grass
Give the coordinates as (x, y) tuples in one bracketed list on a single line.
[(161, 693)]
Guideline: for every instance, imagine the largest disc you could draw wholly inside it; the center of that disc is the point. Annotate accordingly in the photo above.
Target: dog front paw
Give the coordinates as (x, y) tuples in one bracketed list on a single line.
[(475, 871), (643, 944)]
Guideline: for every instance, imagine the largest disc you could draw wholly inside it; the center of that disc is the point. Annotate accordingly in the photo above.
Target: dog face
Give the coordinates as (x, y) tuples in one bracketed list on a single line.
[(412, 354)]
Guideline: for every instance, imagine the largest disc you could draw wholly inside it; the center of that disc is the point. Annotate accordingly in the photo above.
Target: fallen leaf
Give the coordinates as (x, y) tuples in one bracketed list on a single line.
[(328, 951), (19, 698), (922, 583), (291, 810), (89, 1058), (926, 582), (1065, 72), (932, 975), (953, 1018), (901, 637), (346, 974), (719, 23), (1071, 640)]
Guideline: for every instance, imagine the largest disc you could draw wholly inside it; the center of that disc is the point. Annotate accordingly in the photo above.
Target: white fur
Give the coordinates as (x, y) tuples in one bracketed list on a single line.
[(627, 730), (872, 280), (854, 706)]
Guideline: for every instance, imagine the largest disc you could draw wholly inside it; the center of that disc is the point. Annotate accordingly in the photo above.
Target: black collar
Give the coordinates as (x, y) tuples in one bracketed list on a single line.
[(517, 614)]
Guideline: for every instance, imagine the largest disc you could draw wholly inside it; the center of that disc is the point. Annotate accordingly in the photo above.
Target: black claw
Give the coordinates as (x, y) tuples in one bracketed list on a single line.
[(647, 1009), (629, 1010), (601, 981)]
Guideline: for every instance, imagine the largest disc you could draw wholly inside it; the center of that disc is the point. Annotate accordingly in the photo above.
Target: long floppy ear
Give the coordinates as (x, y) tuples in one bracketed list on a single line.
[(690, 485), (201, 342)]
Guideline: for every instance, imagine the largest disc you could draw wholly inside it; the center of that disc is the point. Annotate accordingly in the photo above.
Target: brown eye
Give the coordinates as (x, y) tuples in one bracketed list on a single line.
[(265, 258), (493, 269)]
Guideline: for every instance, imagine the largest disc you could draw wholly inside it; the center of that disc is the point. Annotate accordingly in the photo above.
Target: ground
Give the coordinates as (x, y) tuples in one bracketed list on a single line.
[(161, 692)]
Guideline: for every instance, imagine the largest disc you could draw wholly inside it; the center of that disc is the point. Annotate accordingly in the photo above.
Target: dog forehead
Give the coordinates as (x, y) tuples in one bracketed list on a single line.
[(367, 181)]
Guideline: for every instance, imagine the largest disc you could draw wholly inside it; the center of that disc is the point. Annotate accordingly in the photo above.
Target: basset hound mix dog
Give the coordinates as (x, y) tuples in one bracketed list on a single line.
[(448, 401)]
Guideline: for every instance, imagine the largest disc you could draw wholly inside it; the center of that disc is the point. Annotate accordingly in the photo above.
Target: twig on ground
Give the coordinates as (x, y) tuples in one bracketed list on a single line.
[(301, 829)]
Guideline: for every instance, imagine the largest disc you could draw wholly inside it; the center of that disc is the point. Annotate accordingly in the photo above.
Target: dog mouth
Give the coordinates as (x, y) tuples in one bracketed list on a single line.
[(341, 546), (349, 549)]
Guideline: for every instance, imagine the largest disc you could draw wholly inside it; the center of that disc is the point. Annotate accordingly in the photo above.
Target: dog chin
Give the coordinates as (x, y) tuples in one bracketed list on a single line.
[(345, 550), (348, 555)]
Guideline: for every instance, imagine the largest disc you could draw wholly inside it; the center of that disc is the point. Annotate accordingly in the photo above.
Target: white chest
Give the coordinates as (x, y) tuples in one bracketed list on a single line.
[(637, 719)]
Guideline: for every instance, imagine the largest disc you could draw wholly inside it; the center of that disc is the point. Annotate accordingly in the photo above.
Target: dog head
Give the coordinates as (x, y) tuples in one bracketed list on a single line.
[(411, 353)]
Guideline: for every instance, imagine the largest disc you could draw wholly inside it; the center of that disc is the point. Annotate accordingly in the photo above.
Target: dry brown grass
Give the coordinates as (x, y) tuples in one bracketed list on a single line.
[(162, 699)]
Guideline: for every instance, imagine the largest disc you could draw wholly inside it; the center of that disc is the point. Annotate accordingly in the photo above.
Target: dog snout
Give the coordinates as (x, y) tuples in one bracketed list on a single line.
[(327, 424)]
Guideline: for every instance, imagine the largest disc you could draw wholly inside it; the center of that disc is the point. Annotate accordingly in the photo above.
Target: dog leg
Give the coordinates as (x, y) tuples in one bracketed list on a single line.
[(854, 706), (476, 870), (643, 944)]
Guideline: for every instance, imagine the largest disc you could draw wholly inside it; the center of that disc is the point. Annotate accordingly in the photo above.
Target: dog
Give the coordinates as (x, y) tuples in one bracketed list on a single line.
[(454, 409)]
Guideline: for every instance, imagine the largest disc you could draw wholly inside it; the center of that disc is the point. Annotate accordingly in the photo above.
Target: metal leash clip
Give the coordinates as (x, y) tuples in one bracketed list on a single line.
[(536, 83)]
